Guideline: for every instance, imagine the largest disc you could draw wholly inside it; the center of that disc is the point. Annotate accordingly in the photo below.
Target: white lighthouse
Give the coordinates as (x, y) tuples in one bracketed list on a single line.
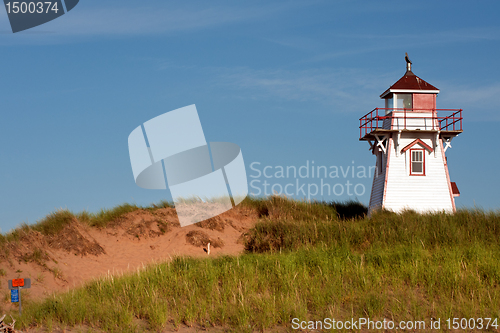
[(409, 137)]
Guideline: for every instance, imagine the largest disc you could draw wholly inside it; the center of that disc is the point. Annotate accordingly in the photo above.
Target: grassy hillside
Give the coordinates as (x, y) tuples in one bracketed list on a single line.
[(308, 261), (57, 228)]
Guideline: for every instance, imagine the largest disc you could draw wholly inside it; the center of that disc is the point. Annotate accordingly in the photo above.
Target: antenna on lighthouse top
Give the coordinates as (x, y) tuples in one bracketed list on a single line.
[(408, 62)]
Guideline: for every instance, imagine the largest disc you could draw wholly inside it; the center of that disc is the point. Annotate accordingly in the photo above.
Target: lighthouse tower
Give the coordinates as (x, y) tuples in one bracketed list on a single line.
[(409, 137)]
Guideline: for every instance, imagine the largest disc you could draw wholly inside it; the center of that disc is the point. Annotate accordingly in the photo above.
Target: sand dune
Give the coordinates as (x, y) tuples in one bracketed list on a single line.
[(80, 253)]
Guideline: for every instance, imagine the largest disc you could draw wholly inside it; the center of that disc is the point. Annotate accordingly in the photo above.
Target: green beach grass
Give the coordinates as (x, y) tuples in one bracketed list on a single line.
[(307, 261)]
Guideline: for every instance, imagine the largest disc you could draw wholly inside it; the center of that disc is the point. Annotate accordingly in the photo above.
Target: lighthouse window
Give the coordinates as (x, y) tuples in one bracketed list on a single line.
[(417, 162), (388, 105), (379, 163), (404, 101)]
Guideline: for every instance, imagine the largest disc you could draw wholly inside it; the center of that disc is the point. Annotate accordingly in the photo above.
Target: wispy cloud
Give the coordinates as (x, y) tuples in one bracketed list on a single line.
[(345, 90), (156, 17), (379, 42), (147, 20), (480, 101), (464, 34)]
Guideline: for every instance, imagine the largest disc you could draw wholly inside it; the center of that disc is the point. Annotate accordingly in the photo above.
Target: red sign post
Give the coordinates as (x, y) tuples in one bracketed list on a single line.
[(18, 284)]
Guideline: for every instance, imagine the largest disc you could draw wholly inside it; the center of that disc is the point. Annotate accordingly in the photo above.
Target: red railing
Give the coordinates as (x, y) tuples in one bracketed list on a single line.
[(400, 119)]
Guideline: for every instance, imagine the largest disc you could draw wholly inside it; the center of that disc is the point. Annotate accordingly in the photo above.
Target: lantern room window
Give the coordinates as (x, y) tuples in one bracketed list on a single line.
[(417, 158), (403, 101), (398, 101), (388, 105)]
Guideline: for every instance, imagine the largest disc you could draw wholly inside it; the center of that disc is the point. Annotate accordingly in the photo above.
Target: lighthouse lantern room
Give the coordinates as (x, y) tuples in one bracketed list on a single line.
[(409, 137)]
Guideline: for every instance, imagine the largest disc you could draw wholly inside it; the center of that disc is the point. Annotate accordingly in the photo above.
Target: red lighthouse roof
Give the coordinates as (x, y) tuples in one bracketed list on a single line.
[(410, 83)]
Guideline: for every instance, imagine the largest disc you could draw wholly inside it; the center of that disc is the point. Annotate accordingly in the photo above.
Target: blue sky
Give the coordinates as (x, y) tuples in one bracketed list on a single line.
[(285, 80)]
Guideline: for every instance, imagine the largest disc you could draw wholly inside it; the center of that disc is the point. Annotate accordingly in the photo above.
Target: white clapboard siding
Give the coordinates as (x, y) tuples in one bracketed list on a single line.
[(420, 193), (377, 190), (377, 194)]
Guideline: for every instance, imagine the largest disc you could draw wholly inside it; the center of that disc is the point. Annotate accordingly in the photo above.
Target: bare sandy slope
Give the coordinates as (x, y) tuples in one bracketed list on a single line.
[(80, 253)]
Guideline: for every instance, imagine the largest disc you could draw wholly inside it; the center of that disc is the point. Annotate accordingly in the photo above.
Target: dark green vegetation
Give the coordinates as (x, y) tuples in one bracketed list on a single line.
[(307, 261)]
